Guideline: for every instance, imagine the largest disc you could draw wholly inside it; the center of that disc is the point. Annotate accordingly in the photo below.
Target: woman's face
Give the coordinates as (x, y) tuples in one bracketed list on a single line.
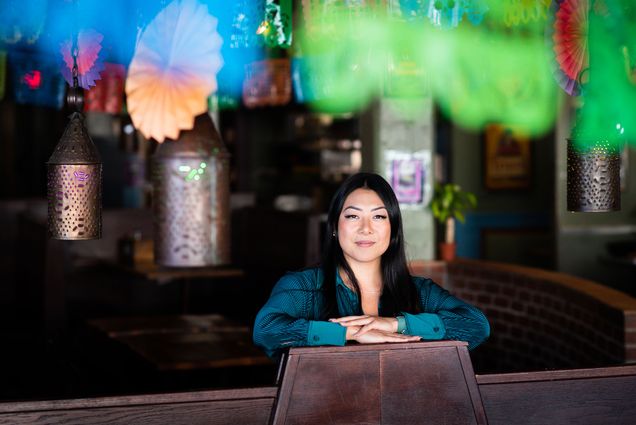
[(364, 230)]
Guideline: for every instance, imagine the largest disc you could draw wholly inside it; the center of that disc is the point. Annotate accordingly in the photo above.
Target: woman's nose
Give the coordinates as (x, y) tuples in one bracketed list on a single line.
[(365, 226)]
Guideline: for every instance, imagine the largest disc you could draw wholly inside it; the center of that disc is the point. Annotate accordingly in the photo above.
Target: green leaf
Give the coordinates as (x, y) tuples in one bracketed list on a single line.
[(449, 200)]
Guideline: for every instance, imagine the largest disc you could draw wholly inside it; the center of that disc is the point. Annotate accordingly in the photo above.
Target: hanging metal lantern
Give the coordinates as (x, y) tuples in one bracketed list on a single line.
[(593, 177), (191, 183), (74, 173)]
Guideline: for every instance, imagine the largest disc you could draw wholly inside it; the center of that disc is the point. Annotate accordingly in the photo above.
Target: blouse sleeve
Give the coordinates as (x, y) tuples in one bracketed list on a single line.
[(446, 317), (285, 319)]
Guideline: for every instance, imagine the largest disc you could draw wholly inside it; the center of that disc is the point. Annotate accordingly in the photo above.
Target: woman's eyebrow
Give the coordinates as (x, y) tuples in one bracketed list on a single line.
[(353, 207)]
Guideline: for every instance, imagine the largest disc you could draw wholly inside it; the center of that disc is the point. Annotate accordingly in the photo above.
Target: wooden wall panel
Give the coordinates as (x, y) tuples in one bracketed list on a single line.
[(425, 387), (414, 383), (336, 389), (583, 397)]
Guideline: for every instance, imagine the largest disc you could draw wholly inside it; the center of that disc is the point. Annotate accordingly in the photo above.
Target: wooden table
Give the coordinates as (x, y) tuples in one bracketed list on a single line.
[(183, 275), (152, 271), (185, 342)]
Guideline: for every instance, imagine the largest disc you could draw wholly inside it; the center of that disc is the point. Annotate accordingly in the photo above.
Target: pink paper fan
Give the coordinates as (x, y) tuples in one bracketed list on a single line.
[(569, 40), (89, 60), (173, 70)]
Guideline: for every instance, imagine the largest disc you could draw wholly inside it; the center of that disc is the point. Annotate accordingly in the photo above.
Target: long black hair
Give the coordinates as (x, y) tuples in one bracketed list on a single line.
[(398, 294)]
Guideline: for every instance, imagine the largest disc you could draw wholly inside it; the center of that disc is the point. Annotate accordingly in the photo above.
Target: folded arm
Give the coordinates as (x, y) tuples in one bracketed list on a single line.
[(284, 321), (447, 317)]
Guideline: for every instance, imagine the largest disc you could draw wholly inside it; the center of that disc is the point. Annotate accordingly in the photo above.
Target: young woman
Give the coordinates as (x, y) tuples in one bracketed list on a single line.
[(363, 290)]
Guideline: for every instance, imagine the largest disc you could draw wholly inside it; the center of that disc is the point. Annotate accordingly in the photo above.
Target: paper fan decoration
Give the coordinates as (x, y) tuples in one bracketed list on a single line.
[(173, 70), (569, 39), (89, 62)]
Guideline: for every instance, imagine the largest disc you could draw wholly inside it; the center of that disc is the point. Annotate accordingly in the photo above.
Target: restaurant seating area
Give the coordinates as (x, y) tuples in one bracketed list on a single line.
[(67, 318), (97, 326), (164, 163)]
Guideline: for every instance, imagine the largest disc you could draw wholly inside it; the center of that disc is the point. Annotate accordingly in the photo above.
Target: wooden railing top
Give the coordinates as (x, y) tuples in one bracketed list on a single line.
[(557, 375), (139, 400), (377, 347)]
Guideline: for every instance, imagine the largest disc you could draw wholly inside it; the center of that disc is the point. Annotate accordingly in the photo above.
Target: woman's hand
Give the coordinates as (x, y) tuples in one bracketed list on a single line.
[(367, 323), (375, 336)]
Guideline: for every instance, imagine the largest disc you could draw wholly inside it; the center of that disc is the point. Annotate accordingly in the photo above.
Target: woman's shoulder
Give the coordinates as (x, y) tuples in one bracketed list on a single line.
[(306, 279), (422, 282)]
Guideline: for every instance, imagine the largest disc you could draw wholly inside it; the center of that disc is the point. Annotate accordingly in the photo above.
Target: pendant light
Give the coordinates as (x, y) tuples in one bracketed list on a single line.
[(593, 176), (191, 197), (74, 173)]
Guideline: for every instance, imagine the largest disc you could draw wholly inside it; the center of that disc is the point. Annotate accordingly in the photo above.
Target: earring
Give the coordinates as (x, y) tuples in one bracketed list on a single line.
[(333, 234)]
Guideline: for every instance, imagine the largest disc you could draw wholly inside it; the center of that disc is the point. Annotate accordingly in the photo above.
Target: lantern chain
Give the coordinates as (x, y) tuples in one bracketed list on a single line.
[(75, 96), (74, 52)]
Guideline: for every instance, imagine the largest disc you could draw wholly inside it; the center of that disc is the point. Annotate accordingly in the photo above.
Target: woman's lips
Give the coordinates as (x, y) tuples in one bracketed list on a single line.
[(364, 244)]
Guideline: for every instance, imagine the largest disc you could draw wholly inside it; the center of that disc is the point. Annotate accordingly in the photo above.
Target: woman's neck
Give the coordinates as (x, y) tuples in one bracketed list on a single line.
[(368, 275)]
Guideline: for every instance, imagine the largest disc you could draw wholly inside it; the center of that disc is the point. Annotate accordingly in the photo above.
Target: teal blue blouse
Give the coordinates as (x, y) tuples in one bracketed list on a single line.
[(292, 315)]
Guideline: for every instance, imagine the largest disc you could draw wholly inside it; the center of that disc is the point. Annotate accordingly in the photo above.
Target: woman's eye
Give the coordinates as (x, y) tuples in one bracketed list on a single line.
[(379, 217), (350, 216)]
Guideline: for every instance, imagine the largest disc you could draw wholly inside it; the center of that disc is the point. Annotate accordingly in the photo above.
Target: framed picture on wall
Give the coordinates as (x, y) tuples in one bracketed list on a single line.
[(507, 158), (407, 173)]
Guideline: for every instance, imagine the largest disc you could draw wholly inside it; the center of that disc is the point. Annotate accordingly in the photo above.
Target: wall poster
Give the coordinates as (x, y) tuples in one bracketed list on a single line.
[(507, 158), (409, 175)]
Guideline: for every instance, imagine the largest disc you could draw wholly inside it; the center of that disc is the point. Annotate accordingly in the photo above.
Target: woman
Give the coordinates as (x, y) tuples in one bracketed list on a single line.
[(363, 290)]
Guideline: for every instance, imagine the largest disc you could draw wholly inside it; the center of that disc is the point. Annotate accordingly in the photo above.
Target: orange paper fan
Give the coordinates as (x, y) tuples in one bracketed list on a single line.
[(173, 70)]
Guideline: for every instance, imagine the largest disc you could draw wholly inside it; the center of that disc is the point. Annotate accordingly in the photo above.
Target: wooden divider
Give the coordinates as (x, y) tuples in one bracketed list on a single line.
[(580, 396), (413, 383), (250, 406)]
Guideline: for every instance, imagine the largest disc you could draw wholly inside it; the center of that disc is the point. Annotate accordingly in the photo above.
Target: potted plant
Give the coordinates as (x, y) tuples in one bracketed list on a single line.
[(449, 203)]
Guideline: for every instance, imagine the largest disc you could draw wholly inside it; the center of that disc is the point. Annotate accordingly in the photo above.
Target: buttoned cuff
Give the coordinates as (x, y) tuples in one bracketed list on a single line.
[(326, 333), (401, 329), (426, 325)]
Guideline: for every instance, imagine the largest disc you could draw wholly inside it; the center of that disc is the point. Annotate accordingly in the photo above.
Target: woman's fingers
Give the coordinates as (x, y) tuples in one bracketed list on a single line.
[(347, 318), (380, 323), (354, 321), (400, 337), (367, 323), (364, 329), (377, 336)]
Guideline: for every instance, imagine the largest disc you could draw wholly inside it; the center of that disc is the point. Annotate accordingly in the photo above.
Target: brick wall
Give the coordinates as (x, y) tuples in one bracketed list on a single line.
[(539, 319)]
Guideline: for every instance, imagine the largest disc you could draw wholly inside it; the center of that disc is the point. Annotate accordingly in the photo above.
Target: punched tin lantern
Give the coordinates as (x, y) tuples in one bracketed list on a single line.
[(593, 177), (191, 184), (74, 185)]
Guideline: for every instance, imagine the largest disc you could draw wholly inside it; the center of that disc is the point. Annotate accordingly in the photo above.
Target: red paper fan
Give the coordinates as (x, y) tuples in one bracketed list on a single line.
[(89, 63), (570, 42)]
